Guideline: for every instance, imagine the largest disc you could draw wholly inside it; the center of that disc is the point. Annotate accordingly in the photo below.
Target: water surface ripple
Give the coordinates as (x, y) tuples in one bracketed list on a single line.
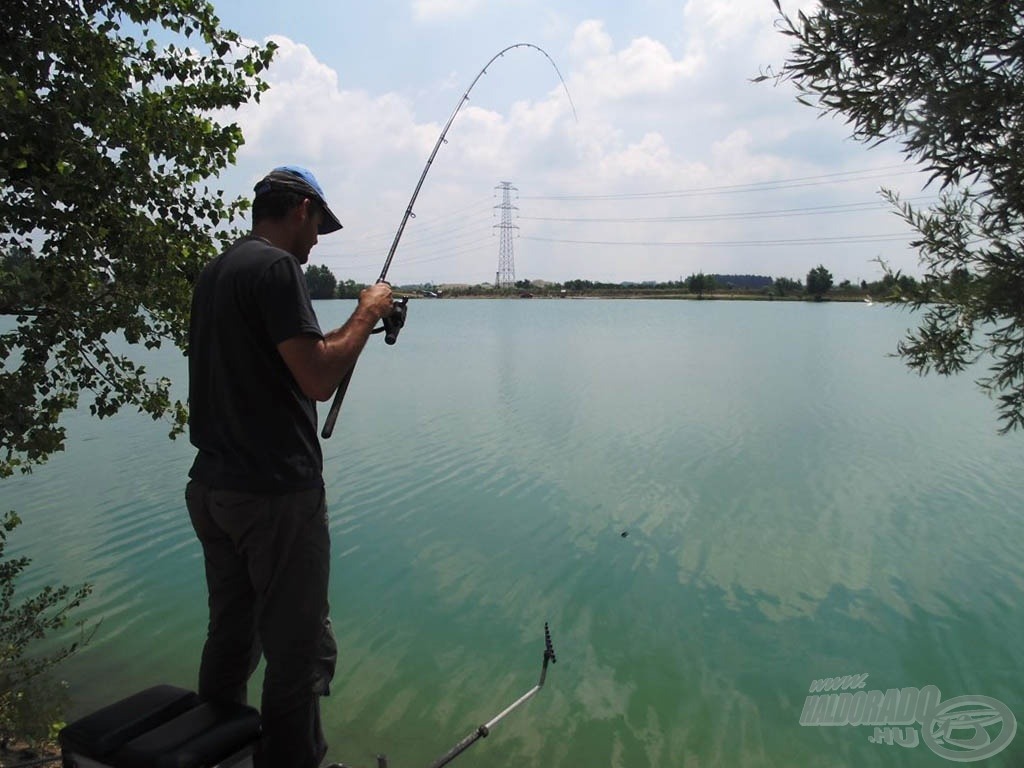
[(713, 503)]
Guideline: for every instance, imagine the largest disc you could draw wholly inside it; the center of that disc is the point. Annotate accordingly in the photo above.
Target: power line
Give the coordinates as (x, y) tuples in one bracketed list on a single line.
[(843, 177), (769, 214), (426, 224), (456, 233), (415, 237), (455, 247), (884, 238)]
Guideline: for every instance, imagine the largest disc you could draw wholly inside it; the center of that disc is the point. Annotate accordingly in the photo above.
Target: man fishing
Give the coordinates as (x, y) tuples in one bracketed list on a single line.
[(258, 361)]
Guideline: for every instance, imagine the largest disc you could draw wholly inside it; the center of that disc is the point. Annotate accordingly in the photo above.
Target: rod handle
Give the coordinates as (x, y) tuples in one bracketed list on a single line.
[(339, 397)]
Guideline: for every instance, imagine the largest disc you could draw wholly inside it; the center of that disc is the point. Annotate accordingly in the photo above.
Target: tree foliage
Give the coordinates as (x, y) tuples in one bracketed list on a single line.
[(321, 282), (700, 284), (349, 289), (743, 282), (107, 135), (784, 286), (29, 700), (944, 79), (819, 282)]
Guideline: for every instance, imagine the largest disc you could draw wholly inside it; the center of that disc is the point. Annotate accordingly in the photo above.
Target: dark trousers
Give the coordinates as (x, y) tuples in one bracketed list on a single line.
[(267, 570)]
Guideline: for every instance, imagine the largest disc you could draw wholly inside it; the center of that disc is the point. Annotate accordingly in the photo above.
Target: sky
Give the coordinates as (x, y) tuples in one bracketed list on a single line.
[(640, 150)]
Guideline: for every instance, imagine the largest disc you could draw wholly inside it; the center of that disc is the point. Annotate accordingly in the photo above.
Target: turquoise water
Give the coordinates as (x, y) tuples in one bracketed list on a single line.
[(798, 506)]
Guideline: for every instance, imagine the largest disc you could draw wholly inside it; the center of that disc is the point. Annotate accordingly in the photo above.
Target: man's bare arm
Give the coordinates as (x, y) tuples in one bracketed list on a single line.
[(318, 365)]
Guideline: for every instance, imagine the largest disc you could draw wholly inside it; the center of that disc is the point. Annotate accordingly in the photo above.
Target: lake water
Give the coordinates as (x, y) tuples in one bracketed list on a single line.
[(713, 504)]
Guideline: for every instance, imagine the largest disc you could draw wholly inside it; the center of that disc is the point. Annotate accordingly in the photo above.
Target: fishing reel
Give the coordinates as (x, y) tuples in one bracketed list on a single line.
[(394, 322)]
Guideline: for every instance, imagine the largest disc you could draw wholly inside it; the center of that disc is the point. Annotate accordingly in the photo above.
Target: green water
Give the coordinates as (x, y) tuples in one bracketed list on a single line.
[(798, 506)]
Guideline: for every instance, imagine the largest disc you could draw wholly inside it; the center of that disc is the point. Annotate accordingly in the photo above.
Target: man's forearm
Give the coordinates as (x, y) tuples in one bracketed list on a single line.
[(320, 364), (343, 345)]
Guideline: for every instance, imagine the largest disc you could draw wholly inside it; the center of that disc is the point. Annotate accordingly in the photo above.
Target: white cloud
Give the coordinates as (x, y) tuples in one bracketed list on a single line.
[(651, 118), (648, 158), (736, 156), (590, 40), (725, 21), (644, 67), (306, 114)]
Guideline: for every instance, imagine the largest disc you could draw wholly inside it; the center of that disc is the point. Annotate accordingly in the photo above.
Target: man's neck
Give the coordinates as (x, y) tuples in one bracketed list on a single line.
[(273, 234)]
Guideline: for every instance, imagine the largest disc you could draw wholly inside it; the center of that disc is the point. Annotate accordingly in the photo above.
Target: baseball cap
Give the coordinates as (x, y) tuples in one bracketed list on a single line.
[(301, 180)]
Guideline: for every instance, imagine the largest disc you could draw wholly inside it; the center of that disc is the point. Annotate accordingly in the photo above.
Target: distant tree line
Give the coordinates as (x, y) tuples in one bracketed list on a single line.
[(19, 282), (747, 282), (323, 284), (818, 285)]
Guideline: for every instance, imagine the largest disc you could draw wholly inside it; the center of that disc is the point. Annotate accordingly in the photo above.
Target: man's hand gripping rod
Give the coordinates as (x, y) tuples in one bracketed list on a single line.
[(393, 324)]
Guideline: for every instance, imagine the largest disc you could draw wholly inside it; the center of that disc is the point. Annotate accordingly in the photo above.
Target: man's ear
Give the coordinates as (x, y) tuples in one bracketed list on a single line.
[(301, 212), (313, 211)]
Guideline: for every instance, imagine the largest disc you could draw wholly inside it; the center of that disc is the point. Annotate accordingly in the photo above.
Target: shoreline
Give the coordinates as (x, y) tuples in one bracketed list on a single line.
[(649, 296)]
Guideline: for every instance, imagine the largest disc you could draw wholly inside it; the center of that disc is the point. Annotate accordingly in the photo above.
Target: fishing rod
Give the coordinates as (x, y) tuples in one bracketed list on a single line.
[(396, 320), (484, 730)]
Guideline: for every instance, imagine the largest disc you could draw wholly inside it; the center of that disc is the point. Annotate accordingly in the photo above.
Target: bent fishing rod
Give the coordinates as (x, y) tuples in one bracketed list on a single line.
[(396, 320)]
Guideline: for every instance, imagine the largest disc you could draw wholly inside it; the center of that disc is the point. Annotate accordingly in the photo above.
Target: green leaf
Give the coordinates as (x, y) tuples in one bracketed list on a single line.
[(112, 139)]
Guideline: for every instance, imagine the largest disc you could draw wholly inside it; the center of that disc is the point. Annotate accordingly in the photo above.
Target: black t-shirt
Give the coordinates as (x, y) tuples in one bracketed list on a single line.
[(253, 427)]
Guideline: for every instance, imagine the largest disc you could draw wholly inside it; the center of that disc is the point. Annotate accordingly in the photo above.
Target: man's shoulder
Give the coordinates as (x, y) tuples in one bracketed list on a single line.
[(257, 251), (251, 257)]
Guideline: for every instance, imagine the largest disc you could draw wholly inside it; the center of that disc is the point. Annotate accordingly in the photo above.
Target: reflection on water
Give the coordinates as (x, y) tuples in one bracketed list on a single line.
[(797, 506)]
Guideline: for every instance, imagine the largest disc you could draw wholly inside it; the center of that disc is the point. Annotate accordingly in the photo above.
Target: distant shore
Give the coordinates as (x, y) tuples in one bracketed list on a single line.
[(648, 295)]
